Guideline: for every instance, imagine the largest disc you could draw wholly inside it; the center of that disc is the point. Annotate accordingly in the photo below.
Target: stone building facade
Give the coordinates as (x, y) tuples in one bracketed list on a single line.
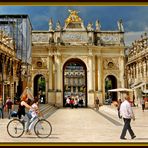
[(15, 54), (137, 66), (98, 53), (9, 67)]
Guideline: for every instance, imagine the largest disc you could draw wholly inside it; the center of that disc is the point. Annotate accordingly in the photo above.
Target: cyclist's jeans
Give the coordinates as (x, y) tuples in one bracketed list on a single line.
[(32, 123), (26, 120)]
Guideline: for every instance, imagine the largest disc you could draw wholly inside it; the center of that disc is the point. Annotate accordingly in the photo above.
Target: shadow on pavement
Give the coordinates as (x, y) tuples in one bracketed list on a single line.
[(35, 137), (141, 139)]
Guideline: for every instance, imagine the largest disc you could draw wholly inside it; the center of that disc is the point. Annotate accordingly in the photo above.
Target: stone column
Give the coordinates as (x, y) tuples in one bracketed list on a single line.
[(76, 89), (122, 71), (134, 74), (137, 70), (131, 79), (58, 79), (140, 69), (90, 77), (50, 77), (58, 72), (128, 74), (11, 81), (99, 75), (71, 89), (51, 93), (144, 69)]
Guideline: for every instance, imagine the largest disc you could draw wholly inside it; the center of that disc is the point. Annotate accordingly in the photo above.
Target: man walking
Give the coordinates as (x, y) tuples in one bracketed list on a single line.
[(127, 114)]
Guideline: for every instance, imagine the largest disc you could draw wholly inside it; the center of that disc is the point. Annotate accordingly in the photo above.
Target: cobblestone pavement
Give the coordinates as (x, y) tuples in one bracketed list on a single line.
[(85, 125)]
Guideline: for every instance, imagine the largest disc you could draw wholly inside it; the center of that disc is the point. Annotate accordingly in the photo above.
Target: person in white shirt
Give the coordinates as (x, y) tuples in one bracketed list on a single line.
[(127, 113), (34, 110)]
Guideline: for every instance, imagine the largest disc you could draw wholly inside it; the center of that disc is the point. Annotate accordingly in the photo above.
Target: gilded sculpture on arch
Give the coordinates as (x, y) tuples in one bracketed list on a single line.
[(73, 17)]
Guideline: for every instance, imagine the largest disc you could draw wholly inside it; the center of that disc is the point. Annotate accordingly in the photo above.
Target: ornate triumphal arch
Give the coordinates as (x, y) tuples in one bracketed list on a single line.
[(77, 60)]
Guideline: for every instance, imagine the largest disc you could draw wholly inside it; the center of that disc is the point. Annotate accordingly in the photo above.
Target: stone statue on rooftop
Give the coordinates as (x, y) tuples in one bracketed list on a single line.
[(50, 25), (120, 25), (98, 26), (58, 26), (89, 27)]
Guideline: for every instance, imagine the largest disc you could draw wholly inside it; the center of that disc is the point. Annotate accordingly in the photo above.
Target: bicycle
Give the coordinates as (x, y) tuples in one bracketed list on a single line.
[(16, 128)]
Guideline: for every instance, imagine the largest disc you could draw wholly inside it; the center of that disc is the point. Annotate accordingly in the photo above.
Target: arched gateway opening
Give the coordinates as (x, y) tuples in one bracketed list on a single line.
[(110, 83), (75, 82), (39, 87)]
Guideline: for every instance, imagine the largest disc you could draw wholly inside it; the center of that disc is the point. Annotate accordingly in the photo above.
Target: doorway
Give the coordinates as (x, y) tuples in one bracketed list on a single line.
[(110, 83), (40, 88), (75, 82)]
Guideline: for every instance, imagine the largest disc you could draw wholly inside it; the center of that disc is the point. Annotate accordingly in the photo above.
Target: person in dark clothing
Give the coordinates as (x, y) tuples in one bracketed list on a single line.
[(118, 108), (21, 108), (81, 102), (72, 102), (21, 111), (97, 104), (9, 106), (143, 104)]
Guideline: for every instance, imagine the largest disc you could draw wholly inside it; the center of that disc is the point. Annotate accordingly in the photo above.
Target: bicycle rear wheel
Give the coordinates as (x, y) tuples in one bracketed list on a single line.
[(15, 128), (43, 128)]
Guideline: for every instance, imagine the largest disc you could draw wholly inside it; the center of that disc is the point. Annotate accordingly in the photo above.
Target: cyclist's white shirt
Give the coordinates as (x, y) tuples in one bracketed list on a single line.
[(33, 109)]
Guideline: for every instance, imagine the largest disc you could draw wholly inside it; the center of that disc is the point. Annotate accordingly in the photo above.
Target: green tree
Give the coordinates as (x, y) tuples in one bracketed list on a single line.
[(41, 84)]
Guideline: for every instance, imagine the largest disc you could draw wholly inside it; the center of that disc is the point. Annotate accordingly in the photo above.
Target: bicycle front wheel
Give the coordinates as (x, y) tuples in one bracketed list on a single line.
[(15, 128), (43, 128)]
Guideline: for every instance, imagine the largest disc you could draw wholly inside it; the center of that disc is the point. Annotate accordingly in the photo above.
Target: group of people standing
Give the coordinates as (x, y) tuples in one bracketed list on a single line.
[(74, 102)]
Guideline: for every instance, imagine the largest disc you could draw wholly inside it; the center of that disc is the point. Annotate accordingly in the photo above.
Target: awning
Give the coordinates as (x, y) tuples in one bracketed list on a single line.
[(140, 84), (145, 91), (120, 90)]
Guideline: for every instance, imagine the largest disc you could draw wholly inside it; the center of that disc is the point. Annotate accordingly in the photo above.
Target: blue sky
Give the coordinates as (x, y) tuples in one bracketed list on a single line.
[(135, 18)]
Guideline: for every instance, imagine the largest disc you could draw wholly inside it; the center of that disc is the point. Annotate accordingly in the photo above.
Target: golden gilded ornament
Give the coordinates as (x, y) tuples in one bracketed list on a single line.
[(73, 17)]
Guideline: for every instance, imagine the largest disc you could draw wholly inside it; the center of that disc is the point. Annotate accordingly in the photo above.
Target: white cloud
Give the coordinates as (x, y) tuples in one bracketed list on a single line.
[(129, 37)]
